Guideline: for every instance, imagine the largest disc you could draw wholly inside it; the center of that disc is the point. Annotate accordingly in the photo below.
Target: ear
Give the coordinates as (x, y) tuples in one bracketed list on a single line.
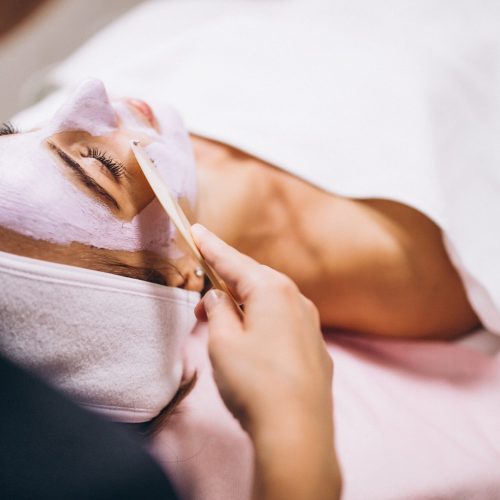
[(188, 270)]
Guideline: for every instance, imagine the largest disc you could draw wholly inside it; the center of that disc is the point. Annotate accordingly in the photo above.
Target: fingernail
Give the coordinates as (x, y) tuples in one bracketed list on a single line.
[(212, 298), (198, 228), (197, 232)]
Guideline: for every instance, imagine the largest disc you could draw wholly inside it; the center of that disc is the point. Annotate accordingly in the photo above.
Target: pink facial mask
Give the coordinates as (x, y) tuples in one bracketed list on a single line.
[(38, 201)]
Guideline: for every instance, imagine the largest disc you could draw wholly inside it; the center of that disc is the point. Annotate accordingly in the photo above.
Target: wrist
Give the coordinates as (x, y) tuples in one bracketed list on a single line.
[(296, 459), (291, 417), (283, 435)]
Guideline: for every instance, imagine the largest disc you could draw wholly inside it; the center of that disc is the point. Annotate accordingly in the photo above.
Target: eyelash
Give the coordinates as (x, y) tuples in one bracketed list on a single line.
[(7, 129), (116, 168)]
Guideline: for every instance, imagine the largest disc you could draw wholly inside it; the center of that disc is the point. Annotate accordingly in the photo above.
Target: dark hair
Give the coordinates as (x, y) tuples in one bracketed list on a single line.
[(172, 408), (152, 427), (145, 272)]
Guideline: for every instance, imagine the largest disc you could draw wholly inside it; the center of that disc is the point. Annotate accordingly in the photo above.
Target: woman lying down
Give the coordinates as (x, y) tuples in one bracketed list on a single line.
[(73, 194)]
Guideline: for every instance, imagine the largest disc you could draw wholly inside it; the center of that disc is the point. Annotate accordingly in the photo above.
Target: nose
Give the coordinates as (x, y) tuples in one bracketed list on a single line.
[(144, 109), (87, 109)]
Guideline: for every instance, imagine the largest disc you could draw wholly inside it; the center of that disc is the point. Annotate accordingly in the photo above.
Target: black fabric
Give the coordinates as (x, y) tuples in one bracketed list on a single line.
[(51, 448)]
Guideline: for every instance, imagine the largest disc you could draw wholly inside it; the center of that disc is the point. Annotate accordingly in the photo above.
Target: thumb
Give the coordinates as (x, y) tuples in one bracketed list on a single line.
[(221, 313)]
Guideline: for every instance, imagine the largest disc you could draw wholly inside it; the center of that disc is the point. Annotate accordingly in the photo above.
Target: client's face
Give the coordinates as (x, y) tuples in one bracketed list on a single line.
[(74, 182), (103, 166)]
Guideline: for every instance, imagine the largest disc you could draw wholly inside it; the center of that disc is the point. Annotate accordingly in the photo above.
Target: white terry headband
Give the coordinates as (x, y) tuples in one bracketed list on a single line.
[(113, 344)]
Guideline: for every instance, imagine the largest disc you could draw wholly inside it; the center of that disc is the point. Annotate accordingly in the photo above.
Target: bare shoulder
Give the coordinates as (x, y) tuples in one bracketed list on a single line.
[(371, 266), (386, 271)]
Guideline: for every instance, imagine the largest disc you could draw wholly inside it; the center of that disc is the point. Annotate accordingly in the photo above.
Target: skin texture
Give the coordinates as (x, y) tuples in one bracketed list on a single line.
[(290, 420)]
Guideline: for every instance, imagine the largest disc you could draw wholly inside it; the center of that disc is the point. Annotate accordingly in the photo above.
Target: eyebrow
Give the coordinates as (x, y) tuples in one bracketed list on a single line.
[(85, 178)]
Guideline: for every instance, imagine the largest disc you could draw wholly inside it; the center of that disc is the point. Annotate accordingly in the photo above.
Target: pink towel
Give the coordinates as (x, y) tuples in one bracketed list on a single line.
[(413, 421)]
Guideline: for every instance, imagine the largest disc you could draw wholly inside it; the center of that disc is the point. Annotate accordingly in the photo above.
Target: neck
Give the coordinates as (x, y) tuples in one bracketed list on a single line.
[(254, 207), (233, 191)]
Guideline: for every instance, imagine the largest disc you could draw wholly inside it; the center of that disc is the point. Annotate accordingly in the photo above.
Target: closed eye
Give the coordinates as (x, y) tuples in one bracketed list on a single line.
[(84, 178), (116, 168)]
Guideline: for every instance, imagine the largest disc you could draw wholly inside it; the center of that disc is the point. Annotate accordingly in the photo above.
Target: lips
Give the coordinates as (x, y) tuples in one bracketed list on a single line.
[(144, 110)]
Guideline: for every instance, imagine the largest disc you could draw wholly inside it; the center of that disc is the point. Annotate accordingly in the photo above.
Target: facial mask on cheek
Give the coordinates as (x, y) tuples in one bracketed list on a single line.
[(38, 200)]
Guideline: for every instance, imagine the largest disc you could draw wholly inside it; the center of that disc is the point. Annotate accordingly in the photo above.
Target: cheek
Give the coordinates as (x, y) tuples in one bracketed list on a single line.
[(157, 233)]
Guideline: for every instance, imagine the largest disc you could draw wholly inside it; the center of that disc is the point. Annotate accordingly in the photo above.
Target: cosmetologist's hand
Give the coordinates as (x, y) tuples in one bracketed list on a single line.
[(273, 373)]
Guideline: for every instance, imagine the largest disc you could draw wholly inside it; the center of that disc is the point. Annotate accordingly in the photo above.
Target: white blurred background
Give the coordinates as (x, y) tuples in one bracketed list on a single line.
[(35, 34)]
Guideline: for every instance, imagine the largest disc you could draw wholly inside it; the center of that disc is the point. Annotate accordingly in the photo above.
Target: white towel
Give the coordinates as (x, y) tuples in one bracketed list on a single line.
[(111, 343)]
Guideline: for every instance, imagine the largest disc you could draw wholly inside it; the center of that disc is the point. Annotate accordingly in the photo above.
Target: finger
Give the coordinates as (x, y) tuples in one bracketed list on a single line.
[(311, 311), (199, 311), (223, 319), (240, 272)]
